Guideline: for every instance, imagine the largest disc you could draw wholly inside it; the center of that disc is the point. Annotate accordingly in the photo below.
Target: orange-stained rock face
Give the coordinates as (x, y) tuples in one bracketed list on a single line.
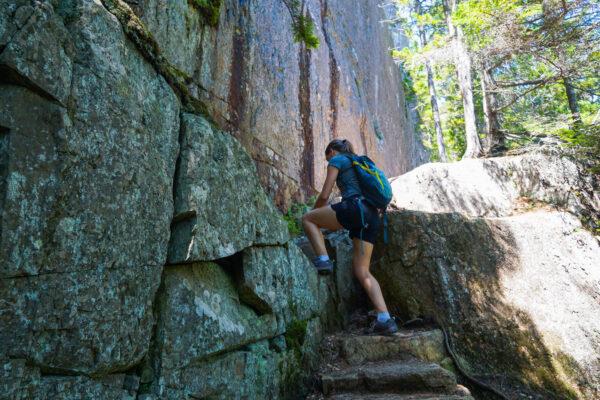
[(285, 103)]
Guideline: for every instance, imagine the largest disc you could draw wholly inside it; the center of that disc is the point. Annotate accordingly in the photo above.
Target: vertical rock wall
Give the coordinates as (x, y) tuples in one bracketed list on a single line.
[(284, 102)]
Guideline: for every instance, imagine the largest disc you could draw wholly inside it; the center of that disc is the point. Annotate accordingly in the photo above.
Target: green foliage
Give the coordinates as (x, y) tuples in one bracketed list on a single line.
[(302, 27), (209, 10), (530, 51), (293, 216), (584, 143), (449, 102), (525, 42)]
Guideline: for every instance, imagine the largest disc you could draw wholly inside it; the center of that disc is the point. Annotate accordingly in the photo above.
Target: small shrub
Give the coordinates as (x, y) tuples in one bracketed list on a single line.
[(294, 216), (302, 27)]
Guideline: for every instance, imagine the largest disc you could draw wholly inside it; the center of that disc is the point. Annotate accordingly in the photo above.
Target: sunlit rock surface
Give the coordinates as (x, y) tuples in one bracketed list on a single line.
[(220, 207), (490, 187), (283, 102), (517, 291), (281, 281)]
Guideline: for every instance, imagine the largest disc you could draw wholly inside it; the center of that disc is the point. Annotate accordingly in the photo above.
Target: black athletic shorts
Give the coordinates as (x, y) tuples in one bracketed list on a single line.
[(348, 215)]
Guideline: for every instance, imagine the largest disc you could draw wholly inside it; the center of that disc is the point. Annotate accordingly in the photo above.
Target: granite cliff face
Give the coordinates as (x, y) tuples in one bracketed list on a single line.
[(140, 256), (283, 102)]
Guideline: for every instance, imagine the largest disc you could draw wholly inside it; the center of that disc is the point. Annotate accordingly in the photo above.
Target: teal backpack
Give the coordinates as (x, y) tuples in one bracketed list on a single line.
[(375, 187)]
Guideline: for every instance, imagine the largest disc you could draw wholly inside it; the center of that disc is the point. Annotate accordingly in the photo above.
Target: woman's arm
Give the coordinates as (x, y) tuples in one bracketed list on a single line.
[(332, 173)]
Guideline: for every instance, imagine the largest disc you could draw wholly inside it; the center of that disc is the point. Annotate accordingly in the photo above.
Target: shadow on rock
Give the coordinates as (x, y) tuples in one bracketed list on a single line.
[(505, 293)]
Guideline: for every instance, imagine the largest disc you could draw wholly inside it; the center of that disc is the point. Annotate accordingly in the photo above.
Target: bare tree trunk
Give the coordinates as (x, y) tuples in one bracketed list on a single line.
[(494, 137), (432, 94), (436, 114), (462, 63)]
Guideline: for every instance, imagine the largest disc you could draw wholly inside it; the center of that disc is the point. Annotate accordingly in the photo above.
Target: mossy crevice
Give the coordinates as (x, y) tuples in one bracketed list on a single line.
[(298, 364), (209, 10), (146, 44), (295, 334)]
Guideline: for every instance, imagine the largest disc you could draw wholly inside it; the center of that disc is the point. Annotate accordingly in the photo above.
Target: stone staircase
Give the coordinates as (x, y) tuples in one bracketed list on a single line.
[(413, 365)]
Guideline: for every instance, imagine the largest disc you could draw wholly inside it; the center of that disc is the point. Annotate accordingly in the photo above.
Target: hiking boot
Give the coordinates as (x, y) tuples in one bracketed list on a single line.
[(382, 328), (323, 267)]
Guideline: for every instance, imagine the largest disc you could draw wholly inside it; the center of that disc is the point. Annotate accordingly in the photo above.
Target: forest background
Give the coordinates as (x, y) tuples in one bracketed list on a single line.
[(489, 77)]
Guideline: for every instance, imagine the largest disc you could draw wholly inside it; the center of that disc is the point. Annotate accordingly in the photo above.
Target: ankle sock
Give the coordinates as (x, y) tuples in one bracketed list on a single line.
[(383, 317), (324, 258)]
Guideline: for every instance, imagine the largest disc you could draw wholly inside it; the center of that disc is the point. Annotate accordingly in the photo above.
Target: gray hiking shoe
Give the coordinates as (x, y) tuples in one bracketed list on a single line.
[(382, 328), (323, 267)]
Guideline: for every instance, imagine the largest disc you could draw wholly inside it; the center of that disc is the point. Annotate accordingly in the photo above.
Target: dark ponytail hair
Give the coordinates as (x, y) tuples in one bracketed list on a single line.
[(341, 145)]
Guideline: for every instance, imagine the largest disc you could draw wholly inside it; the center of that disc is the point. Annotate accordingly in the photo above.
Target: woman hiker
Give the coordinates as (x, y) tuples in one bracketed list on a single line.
[(346, 214)]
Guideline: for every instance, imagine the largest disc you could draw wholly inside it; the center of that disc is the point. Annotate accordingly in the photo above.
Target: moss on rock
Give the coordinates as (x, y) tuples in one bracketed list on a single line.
[(209, 10), (294, 336)]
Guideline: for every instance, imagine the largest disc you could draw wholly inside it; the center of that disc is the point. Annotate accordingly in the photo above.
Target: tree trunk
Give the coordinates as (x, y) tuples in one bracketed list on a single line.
[(494, 138), (436, 114), (572, 99), (552, 8), (432, 94), (462, 63)]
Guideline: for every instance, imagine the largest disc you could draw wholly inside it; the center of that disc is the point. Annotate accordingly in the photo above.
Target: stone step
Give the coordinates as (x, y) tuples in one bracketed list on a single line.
[(411, 376), (395, 396), (425, 345)]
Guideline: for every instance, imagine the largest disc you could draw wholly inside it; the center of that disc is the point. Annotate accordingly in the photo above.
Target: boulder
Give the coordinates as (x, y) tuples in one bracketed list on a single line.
[(220, 207), (39, 52), (280, 280), (490, 187), (178, 29), (20, 381), (257, 371), (213, 318), (201, 315), (96, 320), (111, 387), (518, 295), (89, 146)]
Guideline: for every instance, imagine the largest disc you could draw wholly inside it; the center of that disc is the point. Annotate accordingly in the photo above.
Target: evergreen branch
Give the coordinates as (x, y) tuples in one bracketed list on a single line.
[(517, 97), (302, 26)]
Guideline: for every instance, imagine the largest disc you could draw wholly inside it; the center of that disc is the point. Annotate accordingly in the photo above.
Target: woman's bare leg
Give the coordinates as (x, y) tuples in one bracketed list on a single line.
[(313, 221), (360, 266)]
